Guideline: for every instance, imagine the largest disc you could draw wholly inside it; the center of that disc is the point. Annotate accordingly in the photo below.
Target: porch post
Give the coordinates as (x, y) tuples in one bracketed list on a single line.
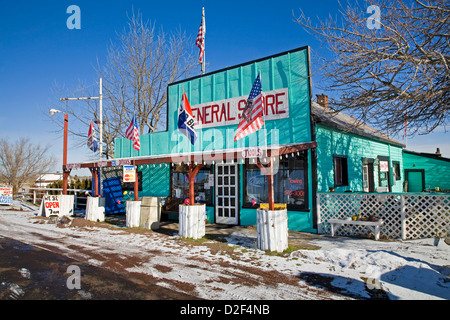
[(136, 185), (193, 170), (268, 172), (95, 176), (270, 185)]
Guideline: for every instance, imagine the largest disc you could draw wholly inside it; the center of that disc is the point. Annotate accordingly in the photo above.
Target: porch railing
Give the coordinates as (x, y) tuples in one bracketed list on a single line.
[(405, 215)]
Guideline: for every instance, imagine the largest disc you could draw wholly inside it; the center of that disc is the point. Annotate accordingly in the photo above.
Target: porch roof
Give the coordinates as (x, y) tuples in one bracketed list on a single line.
[(203, 156)]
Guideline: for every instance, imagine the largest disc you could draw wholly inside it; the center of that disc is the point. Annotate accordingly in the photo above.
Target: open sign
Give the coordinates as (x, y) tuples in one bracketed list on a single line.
[(51, 205)]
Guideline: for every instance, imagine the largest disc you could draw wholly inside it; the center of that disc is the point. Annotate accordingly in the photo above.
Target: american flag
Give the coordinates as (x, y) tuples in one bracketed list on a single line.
[(252, 116), (132, 134), (200, 42)]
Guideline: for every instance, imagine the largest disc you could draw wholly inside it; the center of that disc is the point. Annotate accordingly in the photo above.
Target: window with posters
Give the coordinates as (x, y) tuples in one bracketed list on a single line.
[(203, 184), (290, 184), (384, 182)]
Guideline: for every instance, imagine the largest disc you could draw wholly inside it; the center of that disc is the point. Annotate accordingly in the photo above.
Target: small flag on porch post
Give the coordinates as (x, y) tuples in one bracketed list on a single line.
[(92, 141), (186, 120)]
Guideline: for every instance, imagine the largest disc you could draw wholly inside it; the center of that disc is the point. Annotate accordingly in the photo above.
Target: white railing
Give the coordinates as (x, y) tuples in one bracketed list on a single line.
[(36, 194), (405, 215)]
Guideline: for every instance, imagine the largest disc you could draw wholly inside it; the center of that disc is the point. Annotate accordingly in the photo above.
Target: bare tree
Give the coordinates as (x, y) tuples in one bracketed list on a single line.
[(22, 162), (389, 63), (139, 66)]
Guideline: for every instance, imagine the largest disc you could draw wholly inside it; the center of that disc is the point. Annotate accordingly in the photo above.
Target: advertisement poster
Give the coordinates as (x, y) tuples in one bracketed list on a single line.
[(129, 174), (6, 195)]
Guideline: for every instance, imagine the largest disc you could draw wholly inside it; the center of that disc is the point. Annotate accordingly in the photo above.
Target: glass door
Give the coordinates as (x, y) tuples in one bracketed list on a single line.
[(226, 204)]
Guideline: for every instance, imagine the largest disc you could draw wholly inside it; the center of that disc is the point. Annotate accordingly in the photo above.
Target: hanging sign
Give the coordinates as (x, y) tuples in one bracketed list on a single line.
[(253, 153), (120, 162), (129, 174), (102, 164), (73, 165), (6, 195)]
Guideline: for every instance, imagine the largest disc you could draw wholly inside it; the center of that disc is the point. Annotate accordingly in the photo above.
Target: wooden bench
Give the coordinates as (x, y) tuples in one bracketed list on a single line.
[(374, 225)]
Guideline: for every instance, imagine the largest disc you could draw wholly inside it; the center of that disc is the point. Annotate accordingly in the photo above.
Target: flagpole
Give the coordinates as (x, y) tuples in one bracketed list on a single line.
[(204, 41)]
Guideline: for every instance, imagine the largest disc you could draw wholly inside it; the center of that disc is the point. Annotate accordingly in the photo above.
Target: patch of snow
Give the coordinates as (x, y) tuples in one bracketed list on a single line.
[(414, 269)]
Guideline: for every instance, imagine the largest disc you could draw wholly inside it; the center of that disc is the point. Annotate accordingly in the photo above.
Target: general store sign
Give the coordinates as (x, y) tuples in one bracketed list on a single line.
[(228, 112), (6, 195)]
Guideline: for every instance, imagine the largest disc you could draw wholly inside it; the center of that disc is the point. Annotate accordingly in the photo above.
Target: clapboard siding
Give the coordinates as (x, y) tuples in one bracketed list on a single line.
[(333, 142)]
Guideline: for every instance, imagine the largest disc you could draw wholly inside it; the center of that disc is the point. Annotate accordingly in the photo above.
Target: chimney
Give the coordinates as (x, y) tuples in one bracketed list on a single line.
[(322, 99), (438, 152)]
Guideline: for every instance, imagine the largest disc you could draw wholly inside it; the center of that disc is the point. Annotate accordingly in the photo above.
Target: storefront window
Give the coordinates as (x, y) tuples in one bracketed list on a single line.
[(290, 184), (203, 184)]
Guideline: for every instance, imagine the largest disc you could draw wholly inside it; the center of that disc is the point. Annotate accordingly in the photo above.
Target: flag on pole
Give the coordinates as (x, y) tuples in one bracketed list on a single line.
[(200, 42), (132, 133), (92, 141), (186, 120), (252, 116)]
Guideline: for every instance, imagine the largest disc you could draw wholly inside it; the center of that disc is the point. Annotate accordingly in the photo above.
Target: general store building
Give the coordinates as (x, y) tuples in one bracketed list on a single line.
[(312, 148)]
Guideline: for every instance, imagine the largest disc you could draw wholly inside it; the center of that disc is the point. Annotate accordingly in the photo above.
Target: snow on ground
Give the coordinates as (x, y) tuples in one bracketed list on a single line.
[(342, 268)]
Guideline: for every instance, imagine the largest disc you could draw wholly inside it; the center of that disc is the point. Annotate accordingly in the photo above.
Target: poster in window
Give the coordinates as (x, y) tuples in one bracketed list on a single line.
[(384, 166)]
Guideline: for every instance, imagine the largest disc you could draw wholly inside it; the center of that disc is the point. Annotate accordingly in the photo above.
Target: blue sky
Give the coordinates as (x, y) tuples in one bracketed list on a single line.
[(38, 51)]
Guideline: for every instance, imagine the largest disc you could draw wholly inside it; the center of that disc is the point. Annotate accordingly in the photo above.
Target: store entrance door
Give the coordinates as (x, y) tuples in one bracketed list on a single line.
[(226, 204)]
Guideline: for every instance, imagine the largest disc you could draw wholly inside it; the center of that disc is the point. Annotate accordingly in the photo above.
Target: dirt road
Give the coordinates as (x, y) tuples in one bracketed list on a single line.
[(28, 272)]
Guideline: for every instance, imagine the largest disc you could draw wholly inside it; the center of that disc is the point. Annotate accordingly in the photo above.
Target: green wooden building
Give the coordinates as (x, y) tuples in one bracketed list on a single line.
[(313, 148), (426, 171)]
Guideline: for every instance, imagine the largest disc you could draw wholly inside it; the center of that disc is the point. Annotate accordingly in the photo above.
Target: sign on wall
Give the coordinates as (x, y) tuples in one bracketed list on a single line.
[(129, 174), (6, 195), (384, 166), (228, 112)]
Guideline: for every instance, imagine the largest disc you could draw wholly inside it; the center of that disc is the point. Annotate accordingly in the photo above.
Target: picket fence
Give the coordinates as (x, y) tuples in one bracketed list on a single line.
[(405, 215)]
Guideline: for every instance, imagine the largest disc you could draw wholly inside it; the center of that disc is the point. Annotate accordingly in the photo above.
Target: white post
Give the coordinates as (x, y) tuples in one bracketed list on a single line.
[(34, 196), (101, 120), (319, 223), (133, 213), (403, 216), (272, 230), (100, 98), (192, 221)]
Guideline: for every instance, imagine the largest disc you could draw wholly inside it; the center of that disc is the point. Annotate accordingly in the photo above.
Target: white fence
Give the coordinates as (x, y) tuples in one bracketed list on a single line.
[(35, 195), (405, 215)]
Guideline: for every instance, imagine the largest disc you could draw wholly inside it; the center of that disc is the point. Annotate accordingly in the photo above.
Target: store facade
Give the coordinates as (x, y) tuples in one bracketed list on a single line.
[(309, 147), (230, 181)]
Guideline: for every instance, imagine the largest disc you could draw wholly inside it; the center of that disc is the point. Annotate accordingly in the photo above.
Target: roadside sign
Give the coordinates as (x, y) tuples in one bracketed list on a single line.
[(6, 195), (50, 205)]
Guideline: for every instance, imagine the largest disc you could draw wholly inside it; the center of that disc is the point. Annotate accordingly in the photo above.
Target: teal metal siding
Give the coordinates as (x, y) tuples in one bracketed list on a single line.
[(289, 70)]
